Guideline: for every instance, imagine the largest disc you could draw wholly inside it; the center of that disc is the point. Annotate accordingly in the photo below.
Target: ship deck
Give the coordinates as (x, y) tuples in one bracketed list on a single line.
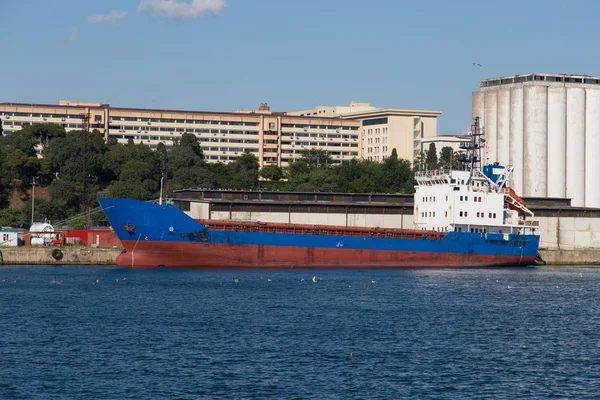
[(305, 229)]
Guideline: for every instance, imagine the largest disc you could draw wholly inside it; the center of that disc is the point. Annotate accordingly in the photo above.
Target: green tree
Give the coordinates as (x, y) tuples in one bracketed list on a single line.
[(419, 162), (431, 160), (395, 175), (244, 172), (44, 133), (66, 192), (358, 176), (12, 216), (76, 223), (65, 153), (446, 160), (271, 172), (190, 140), (296, 169), (190, 178), (161, 148)]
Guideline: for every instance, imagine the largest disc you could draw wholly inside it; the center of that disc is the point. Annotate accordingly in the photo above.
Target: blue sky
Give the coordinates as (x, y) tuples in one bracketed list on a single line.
[(223, 55)]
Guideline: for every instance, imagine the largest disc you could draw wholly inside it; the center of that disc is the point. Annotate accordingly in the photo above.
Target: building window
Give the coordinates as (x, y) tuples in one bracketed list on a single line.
[(271, 126)]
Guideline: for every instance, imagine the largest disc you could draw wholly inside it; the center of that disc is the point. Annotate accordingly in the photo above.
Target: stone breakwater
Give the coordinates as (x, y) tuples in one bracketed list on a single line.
[(58, 256)]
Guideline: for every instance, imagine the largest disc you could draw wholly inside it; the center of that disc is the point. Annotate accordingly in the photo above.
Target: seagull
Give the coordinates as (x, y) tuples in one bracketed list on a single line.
[(314, 279), (476, 65)]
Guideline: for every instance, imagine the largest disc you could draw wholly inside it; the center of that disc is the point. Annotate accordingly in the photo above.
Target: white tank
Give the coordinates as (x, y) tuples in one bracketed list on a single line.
[(557, 137), (576, 146), (491, 110), (535, 130), (592, 148), (41, 233), (516, 137), (38, 241)]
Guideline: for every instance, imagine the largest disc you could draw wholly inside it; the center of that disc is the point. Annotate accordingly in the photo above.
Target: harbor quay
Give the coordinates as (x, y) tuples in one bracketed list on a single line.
[(51, 255)]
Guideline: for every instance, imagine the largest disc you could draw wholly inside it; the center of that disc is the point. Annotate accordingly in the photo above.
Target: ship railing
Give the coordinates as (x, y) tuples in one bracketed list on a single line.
[(529, 223), (432, 173)]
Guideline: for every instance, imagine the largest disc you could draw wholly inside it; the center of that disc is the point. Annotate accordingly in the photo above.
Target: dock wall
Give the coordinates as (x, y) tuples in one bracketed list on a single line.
[(70, 256)]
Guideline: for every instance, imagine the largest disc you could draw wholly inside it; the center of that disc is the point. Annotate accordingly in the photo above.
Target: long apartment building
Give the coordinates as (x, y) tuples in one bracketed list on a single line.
[(274, 138)]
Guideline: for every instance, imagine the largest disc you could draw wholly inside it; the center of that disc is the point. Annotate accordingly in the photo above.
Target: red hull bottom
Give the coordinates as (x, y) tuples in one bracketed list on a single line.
[(188, 255)]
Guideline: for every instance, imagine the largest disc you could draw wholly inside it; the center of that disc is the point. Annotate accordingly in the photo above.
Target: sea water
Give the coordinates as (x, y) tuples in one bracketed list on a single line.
[(110, 333)]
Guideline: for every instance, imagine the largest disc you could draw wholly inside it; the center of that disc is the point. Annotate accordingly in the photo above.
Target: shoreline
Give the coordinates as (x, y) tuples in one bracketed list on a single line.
[(81, 255)]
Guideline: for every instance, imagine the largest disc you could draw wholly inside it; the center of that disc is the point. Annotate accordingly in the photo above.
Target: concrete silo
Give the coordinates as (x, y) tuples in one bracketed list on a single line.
[(548, 127)]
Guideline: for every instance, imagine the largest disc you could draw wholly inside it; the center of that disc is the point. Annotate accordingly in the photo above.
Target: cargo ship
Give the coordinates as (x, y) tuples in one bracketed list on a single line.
[(462, 218)]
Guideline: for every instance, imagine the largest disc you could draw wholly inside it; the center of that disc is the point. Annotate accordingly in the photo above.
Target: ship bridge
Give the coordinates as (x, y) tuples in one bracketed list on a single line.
[(472, 201)]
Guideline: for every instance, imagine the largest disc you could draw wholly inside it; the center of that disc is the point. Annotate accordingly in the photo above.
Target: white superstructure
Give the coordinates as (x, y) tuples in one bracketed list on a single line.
[(471, 200)]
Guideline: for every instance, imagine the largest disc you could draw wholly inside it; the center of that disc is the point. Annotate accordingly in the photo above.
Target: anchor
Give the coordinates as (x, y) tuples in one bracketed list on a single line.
[(129, 228)]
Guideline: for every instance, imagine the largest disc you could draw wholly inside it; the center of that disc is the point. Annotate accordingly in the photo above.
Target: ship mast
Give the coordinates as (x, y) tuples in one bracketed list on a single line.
[(473, 149)]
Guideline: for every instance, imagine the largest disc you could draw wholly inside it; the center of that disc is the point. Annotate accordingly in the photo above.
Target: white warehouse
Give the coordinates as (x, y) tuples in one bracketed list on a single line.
[(548, 127)]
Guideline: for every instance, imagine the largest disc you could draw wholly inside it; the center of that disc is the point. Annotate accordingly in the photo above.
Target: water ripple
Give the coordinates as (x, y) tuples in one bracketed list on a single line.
[(436, 334)]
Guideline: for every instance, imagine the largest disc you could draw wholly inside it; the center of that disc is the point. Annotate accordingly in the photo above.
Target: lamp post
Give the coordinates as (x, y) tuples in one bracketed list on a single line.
[(163, 179), (33, 183)]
